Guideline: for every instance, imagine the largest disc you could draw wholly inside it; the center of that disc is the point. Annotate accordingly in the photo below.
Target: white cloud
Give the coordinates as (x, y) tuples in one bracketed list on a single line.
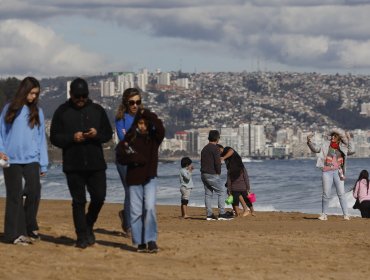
[(27, 48), (304, 33)]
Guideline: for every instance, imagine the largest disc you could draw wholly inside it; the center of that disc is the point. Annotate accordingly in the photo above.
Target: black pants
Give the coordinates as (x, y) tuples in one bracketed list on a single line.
[(95, 182), (244, 194), (20, 215), (365, 209)]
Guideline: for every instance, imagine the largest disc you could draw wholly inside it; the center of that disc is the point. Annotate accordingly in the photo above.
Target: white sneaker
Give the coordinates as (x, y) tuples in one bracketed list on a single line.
[(22, 240), (346, 217), (323, 217)]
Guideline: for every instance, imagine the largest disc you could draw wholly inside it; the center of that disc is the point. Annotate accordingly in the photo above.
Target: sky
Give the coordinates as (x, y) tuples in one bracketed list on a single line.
[(46, 38)]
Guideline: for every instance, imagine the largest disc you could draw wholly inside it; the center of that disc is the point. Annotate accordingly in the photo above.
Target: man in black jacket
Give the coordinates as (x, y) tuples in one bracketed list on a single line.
[(79, 127)]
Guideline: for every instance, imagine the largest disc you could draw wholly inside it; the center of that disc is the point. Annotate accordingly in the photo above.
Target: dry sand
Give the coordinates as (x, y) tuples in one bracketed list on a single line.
[(271, 245)]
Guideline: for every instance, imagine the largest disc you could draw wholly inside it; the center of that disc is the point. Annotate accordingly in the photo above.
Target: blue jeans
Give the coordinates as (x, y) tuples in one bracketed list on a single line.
[(143, 212), (328, 178), (212, 183), (122, 171)]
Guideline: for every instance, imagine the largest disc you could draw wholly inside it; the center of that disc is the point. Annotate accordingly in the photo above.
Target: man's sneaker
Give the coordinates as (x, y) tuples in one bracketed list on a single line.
[(346, 217), (141, 248), (225, 216), (323, 217), (22, 240), (90, 236), (152, 247), (34, 235), (81, 243), (212, 218)]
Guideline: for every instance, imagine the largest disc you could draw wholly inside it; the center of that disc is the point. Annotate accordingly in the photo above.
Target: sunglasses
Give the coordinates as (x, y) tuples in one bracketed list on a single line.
[(79, 96), (133, 102)]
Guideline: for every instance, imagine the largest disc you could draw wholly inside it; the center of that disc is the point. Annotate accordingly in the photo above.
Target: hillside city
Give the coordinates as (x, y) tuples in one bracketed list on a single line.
[(259, 114)]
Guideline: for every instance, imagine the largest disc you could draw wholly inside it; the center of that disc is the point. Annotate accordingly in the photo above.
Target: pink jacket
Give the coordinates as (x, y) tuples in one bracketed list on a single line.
[(362, 194)]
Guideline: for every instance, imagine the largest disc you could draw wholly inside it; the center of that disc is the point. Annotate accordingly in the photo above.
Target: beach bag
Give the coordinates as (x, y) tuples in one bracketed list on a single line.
[(252, 197), (357, 204)]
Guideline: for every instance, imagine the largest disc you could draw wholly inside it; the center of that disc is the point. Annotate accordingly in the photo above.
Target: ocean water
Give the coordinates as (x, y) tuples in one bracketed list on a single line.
[(279, 185)]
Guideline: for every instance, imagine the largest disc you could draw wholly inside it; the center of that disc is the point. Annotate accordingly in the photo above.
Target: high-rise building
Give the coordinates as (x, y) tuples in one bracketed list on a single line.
[(251, 139), (124, 81), (365, 109), (229, 137), (183, 82), (164, 79), (141, 81), (107, 88)]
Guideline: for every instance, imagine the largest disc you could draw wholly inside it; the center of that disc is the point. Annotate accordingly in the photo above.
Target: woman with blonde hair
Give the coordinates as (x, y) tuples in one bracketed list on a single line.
[(130, 105)]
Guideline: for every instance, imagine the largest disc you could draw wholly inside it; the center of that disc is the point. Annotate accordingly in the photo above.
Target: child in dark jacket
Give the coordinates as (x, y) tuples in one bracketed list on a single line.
[(141, 155)]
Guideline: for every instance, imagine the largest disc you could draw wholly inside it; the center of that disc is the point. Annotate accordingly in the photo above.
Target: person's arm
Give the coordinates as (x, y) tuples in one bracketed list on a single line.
[(44, 160), (58, 136), (228, 154), (3, 133), (312, 145), (355, 190), (228, 184), (351, 149), (185, 174), (159, 130), (217, 160), (120, 129)]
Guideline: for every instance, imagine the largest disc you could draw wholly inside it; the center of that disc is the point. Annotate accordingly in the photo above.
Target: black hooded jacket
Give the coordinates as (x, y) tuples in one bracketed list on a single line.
[(69, 119)]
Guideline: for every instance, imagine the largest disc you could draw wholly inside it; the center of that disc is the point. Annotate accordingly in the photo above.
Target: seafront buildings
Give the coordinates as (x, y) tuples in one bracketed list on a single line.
[(260, 114)]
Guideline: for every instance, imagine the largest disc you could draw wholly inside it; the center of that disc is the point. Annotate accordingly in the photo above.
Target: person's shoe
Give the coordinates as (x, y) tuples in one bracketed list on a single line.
[(22, 240), (81, 243), (90, 236), (34, 235), (346, 217), (152, 247), (141, 248), (323, 217), (212, 218), (225, 217), (127, 233), (121, 217)]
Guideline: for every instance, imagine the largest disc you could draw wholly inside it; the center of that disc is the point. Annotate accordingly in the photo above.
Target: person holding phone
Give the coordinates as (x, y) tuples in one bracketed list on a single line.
[(80, 127)]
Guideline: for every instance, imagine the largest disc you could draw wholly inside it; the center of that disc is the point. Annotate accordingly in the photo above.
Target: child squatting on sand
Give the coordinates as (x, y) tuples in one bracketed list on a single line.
[(186, 182)]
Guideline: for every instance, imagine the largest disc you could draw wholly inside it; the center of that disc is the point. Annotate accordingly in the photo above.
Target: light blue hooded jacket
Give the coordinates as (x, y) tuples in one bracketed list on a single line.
[(21, 143)]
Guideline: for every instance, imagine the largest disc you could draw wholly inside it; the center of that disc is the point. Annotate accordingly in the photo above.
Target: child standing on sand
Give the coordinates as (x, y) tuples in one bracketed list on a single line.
[(186, 182)]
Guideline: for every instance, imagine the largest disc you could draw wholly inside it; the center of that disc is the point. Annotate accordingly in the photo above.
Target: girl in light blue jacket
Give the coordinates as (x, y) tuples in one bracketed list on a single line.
[(23, 145)]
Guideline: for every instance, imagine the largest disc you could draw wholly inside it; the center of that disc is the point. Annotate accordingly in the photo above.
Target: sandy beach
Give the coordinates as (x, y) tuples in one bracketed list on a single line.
[(270, 245)]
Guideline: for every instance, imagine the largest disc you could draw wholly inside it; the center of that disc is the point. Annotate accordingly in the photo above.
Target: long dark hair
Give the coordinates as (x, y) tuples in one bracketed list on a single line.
[(123, 107), (20, 99), (364, 174)]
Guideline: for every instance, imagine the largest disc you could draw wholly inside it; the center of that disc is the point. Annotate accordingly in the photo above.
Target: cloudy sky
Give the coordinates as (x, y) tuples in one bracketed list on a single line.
[(80, 37)]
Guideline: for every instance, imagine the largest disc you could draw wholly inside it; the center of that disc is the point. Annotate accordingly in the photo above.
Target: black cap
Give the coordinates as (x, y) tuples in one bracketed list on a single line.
[(79, 88)]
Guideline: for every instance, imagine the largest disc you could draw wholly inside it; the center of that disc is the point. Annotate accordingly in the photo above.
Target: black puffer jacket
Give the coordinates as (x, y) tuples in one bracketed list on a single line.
[(69, 119)]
